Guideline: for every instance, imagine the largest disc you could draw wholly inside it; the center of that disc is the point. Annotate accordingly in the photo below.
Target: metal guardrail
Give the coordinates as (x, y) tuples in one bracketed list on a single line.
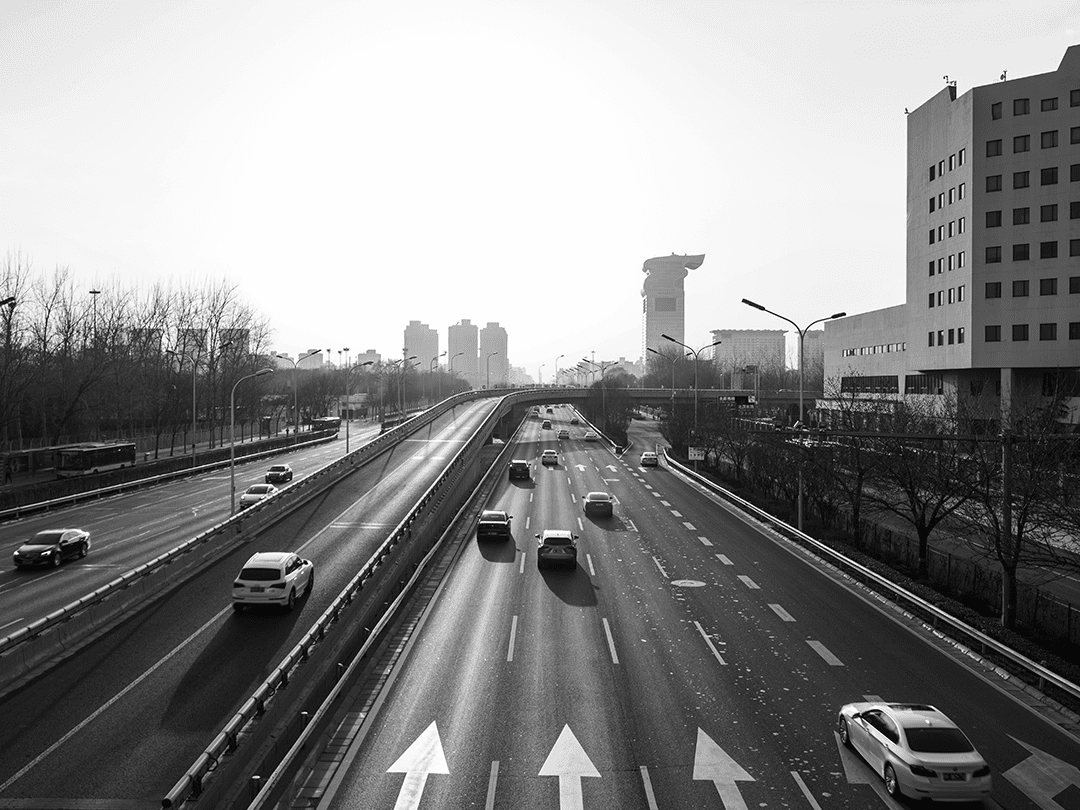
[(901, 596)]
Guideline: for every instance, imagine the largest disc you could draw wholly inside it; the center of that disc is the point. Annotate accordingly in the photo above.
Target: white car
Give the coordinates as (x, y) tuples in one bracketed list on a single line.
[(255, 493), (564, 433), (273, 578), (649, 459), (916, 749), (549, 457), (591, 436)]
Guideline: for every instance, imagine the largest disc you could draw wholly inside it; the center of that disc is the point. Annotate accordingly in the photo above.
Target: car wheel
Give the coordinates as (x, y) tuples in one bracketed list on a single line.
[(845, 737), (56, 558), (84, 549), (292, 600), (310, 584), (892, 786)]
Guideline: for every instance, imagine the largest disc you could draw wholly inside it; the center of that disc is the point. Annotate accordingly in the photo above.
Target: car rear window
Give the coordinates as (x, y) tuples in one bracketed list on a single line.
[(557, 541), (260, 574), (493, 515), (598, 496), (929, 740)]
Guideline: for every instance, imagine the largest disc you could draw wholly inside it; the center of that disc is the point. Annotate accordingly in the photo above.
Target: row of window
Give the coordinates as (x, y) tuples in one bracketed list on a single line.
[(1022, 143), (881, 348), (1022, 216), (954, 228), (956, 160), (1021, 332), (1021, 252), (1022, 106), (952, 335), (939, 297), (937, 266), (1021, 287), (1047, 177), (954, 195)]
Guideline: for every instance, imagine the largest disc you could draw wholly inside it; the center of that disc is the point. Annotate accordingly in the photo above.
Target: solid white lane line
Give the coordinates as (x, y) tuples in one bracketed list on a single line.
[(821, 650), (676, 513), (708, 641), (690, 526), (648, 788), (492, 780), (783, 614), (569, 483), (665, 503), (530, 497), (8, 624), (588, 559), (749, 583), (705, 541), (611, 642), (513, 635), (573, 498), (521, 570), (527, 519), (658, 565), (580, 525), (806, 791), (724, 559)]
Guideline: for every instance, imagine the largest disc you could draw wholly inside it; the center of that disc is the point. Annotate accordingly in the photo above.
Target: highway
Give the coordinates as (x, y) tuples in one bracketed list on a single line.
[(116, 725), (692, 660)]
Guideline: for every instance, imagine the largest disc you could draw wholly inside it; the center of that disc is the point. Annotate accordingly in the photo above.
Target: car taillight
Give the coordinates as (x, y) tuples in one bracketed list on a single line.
[(919, 770), (983, 771), (238, 584), (278, 586)]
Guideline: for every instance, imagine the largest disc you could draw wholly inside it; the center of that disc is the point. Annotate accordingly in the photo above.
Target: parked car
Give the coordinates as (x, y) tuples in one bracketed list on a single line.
[(549, 457), (519, 468), (590, 436), (563, 433), (255, 493), (598, 503), (493, 523), (273, 578), (279, 474), (649, 459), (556, 546), (916, 749), (51, 547)]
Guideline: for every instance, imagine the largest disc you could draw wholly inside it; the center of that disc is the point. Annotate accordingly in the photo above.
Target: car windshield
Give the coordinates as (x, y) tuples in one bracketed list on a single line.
[(930, 740), (45, 538), (258, 489), (260, 574), (278, 468), (489, 515)]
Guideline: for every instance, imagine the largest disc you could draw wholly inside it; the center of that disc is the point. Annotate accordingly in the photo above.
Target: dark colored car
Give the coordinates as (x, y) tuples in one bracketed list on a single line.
[(493, 523), (556, 546), (574, 420), (51, 547), (279, 474), (519, 469)]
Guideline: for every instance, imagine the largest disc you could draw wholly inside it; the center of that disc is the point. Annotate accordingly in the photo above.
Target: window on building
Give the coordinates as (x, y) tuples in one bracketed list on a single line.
[(995, 110), (940, 232), (941, 168), (1021, 179), (952, 335), (933, 264), (952, 196), (1074, 135), (993, 148), (960, 157), (951, 228), (1021, 252), (1074, 330), (1048, 104), (941, 200), (933, 171), (960, 292), (1021, 216), (1074, 173), (940, 266), (960, 335), (930, 301), (1074, 98), (960, 225), (933, 204), (1074, 210), (993, 182), (1020, 288), (933, 235), (1047, 286), (1021, 143), (929, 338), (1048, 140), (993, 334), (1048, 250), (952, 162), (993, 254), (1074, 285), (960, 259), (1048, 213), (993, 289), (1047, 331), (941, 337), (1019, 332), (941, 298), (952, 259), (1021, 106), (952, 299), (993, 219), (1049, 176), (1074, 248), (960, 191)]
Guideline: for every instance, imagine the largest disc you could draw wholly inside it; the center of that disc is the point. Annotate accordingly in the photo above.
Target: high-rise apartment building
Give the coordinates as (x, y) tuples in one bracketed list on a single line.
[(461, 348), (763, 348), (423, 342), (663, 300), (993, 220), (493, 344)]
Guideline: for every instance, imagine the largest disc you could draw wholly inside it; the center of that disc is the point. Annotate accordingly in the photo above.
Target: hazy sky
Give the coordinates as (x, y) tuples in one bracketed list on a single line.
[(351, 166)]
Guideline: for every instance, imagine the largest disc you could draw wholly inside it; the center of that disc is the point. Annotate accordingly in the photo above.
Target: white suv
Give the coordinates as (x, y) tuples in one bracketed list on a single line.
[(273, 578)]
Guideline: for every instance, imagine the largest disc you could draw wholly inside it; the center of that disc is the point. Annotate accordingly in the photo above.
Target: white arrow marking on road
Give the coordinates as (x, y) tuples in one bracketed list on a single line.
[(712, 764), (424, 756), (612, 467), (580, 467), (1042, 776), (569, 762)]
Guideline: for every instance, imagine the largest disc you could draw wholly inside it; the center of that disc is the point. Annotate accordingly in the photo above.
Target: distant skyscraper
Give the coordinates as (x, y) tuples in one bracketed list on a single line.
[(663, 299), (462, 337), (493, 339), (423, 342)]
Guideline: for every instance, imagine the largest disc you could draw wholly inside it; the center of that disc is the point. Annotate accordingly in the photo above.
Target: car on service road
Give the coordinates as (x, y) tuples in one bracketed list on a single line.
[(51, 547), (555, 546), (649, 459), (549, 457), (545, 425), (563, 433), (574, 420), (279, 474), (590, 436), (255, 493), (518, 468), (273, 578), (598, 503), (493, 523), (916, 749)]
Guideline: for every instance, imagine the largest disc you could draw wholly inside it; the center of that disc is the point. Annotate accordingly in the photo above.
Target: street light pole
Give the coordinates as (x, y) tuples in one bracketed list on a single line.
[(194, 366), (695, 353), (348, 380), (540, 375), (295, 413), (431, 372), (557, 359), (603, 393), (232, 436), (452, 378), (801, 424), (487, 381)]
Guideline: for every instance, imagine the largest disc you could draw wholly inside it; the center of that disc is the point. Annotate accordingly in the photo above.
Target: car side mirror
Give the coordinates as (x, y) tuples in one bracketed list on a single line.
[(536, 536)]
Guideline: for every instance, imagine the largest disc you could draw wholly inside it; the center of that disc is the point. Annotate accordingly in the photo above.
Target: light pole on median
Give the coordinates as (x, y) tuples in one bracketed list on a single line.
[(487, 380), (232, 436), (348, 396), (194, 366), (295, 413), (603, 393), (695, 352), (431, 373), (540, 375), (802, 334), (557, 359), (452, 370)]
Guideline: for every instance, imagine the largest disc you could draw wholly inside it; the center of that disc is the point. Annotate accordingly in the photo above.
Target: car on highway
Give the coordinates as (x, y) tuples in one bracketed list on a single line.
[(549, 410), (649, 459), (556, 546), (273, 578), (255, 493), (51, 547), (563, 433), (916, 749), (518, 468), (549, 457), (493, 523), (590, 436), (279, 474), (598, 503), (574, 420), (546, 425)]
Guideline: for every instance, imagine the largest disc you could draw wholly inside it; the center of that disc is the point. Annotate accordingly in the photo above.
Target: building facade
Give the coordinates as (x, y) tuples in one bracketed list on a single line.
[(663, 300), (992, 304), (493, 364), (462, 347), (422, 342), (763, 348)]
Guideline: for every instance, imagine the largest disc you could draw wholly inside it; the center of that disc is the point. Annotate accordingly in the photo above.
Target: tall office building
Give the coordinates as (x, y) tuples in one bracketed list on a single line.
[(423, 342), (462, 347), (739, 348), (493, 339), (993, 289), (663, 301)]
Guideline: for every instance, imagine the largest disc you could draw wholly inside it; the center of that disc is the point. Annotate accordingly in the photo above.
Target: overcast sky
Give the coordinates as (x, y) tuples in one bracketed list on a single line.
[(351, 166)]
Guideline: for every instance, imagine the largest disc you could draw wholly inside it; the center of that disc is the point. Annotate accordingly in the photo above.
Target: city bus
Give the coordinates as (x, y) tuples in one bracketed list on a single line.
[(93, 457), (325, 423)]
